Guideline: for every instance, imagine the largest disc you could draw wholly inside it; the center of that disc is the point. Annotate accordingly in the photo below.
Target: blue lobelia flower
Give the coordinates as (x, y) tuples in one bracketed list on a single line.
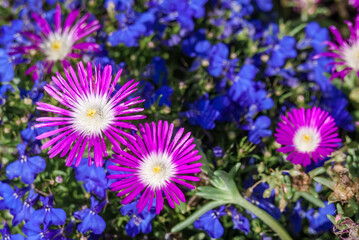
[(91, 221), (239, 222), (283, 50), (48, 215), (267, 204), (33, 231), (157, 71), (26, 167), (119, 5), (318, 220), (296, 217), (6, 234), (201, 113), (335, 102), (94, 178), (3, 90), (11, 199), (27, 209), (315, 38), (132, 26), (217, 151), (195, 40), (9, 33), (265, 5), (6, 68), (36, 93), (178, 11), (140, 222), (218, 59), (210, 223), (162, 95), (258, 129)]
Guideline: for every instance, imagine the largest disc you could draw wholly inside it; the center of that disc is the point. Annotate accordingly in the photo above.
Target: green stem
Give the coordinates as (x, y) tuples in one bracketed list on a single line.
[(264, 216), (197, 214)]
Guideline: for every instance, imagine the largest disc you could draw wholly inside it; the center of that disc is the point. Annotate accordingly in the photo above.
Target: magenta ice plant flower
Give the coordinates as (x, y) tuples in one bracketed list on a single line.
[(345, 52), (93, 111), (60, 43), (307, 134), (157, 160), (354, 3)]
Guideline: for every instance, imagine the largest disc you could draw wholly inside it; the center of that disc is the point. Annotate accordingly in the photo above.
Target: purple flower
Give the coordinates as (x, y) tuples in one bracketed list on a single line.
[(59, 44), (94, 111), (307, 134), (157, 162)]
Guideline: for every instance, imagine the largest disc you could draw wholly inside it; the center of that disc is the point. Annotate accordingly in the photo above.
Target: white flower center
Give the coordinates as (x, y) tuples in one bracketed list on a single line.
[(92, 114), (57, 46), (351, 56), (156, 169), (306, 139)]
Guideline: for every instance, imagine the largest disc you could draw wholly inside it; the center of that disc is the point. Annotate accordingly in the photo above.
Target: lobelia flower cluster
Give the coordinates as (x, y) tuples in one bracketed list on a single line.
[(253, 86)]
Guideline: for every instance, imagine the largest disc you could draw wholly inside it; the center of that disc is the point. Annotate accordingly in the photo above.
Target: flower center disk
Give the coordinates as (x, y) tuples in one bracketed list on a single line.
[(306, 139)]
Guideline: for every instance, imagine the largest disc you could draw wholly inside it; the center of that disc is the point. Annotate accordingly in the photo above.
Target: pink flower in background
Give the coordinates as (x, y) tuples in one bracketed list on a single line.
[(307, 134), (60, 43), (156, 162), (345, 52), (354, 3), (93, 111), (306, 5)]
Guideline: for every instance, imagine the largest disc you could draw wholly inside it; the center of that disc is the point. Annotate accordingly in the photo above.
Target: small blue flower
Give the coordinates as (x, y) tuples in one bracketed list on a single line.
[(296, 217), (218, 59), (157, 71), (239, 222), (11, 198), (318, 220), (265, 5), (36, 93), (259, 129), (6, 234), (283, 50), (94, 178), (120, 5), (26, 167), (48, 215), (210, 223), (162, 95), (33, 231), (140, 222), (91, 221), (201, 113), (218, 151), (6, 68), (27, 209), (315, 38), (3, 90)]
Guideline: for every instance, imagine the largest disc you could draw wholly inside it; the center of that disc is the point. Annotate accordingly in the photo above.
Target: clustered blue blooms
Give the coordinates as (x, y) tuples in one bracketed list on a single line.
[(239, 94)]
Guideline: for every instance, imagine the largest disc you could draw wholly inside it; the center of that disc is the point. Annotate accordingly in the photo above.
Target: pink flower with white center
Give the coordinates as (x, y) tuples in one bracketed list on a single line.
[(307, 134), (354, 3), (93, 111), (157, 161), (60, 43), (345, 52)]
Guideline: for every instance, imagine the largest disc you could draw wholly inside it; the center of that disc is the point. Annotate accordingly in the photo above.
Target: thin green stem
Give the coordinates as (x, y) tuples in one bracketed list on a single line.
[(197, 214), (264, 216)]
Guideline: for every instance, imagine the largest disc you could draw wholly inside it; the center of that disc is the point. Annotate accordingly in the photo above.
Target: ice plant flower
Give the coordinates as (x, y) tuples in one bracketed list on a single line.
[(60, 43), (157, 163), (95, 111), (307, 134), (345, 52)]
